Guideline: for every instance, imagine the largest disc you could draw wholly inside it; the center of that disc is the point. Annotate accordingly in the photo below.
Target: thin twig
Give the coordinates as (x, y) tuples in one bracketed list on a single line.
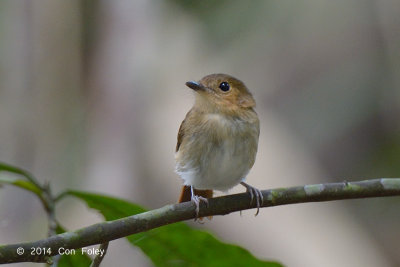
[(97, 260), (46, 198), (106, 231), (49, 205), (60, 196)]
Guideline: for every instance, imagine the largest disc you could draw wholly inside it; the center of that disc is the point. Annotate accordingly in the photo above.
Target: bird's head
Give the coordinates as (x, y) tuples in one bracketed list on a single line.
[(222, 93)]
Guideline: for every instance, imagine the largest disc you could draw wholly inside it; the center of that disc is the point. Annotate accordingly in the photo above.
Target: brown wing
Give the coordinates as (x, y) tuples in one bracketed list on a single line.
[(181, 132)]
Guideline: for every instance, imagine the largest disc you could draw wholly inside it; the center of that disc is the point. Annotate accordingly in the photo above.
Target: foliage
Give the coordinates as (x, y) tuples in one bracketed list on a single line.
[(171, 245)]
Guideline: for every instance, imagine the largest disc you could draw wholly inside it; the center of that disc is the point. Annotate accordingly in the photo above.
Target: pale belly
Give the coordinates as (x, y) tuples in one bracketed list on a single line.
[(218, 164), (219, 169)]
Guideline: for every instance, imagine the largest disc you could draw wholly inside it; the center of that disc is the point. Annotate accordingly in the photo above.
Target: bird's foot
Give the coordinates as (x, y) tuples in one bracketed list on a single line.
[(254, 194), (196, 200)]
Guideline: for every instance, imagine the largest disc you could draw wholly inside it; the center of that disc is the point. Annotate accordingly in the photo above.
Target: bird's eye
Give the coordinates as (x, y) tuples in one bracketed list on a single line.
[(224, 86)]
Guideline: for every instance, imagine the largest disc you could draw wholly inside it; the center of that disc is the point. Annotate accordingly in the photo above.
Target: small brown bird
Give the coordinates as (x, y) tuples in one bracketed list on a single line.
[(218, 139)]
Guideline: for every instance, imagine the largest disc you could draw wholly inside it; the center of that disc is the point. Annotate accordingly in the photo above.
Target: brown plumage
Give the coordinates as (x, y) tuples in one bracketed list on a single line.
[(218, 139)]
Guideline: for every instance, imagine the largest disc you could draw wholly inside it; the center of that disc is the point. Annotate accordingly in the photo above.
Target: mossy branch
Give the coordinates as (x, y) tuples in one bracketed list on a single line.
[(106, 231)]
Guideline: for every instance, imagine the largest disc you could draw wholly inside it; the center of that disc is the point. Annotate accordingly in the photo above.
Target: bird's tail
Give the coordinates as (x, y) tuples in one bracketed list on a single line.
[(186, 194)]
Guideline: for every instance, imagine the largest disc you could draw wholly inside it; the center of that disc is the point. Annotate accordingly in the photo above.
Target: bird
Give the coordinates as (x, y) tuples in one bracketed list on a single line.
[(218, 140)]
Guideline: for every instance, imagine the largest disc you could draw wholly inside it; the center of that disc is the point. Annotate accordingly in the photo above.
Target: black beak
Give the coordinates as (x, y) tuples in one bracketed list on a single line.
[(195, 86)]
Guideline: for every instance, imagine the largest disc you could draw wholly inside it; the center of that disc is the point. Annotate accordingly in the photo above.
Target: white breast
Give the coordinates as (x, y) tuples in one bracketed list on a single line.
[(223, 163)]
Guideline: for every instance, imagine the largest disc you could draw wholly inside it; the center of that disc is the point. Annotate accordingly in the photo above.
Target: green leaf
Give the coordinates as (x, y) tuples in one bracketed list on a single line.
[(176, 244), (111, 208), (27, 185), (180, 245), (77, 260), (16, 170)]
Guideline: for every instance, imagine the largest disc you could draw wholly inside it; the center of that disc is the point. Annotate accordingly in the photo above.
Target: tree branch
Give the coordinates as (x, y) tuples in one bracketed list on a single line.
[(106, 231)]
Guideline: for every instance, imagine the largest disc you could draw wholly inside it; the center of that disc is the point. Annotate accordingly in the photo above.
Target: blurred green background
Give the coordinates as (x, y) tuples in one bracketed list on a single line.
[(92, 94)]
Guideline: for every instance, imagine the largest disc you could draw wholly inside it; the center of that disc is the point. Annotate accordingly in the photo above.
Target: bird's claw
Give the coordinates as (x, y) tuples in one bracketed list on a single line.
[(196, 200), (254, 194)]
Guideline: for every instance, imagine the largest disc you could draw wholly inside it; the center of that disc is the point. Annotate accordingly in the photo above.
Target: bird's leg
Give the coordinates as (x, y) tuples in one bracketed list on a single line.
[(254, 193), (196, 200)]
